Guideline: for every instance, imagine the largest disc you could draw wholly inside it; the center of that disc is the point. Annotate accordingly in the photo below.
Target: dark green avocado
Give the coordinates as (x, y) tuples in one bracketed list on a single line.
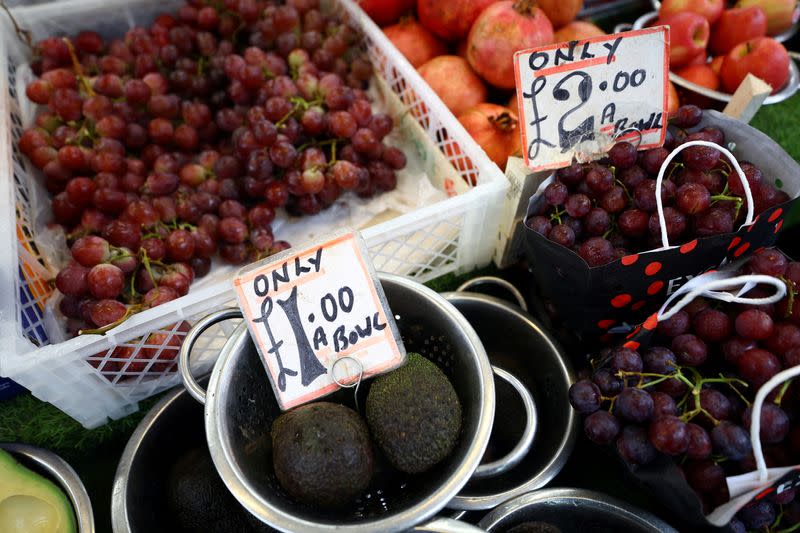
[(322, 454), (414, 414)]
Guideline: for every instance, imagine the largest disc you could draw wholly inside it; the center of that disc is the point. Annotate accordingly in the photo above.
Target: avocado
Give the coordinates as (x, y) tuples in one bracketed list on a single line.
[(414, 415), (322, 454), (199, 500), (534, 527), (30, 503)]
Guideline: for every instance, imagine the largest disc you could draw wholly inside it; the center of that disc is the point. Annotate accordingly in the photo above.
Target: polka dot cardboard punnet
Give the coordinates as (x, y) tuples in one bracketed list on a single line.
[(593, 301), (663, 477)]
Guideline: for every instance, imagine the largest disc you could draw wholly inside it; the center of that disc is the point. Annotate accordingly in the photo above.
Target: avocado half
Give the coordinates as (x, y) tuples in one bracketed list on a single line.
[(30, 503)]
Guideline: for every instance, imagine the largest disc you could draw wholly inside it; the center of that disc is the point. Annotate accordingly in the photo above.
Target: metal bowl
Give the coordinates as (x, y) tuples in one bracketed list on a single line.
[(58, 471), (240, 407), (516, 342), (172, 427), (573, 511), (791, 87)]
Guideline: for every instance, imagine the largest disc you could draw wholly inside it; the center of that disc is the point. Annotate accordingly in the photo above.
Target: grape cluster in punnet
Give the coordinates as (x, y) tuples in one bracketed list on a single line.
[(688, 395), (606, 209), (179, 141)]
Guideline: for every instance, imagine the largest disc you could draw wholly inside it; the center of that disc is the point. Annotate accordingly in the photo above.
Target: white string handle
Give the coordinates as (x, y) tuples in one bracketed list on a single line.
[(745, 185), (715, 285), (755, 417)]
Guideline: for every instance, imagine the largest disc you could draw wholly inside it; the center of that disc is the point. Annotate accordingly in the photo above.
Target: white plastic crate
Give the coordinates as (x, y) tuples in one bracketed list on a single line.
[(94, 377)]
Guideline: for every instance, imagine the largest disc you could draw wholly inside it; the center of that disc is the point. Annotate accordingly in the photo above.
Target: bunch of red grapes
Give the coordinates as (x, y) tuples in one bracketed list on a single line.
[(689, 394), (606, 209), (180, 141)]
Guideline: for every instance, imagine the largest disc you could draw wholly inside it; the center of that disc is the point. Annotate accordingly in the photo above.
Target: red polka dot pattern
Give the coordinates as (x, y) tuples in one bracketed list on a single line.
[(605, 324), (621, 300), (638, 305), (688, 247), (633, 333), (651, 322), (775, 215), (633, 345), (628, 260), (652, 268), (655, 287), (734, 242), (778, 226), (742, 249)]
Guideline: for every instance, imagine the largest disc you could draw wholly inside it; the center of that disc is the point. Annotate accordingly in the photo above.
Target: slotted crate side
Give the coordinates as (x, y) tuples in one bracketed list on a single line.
[(96, 377)]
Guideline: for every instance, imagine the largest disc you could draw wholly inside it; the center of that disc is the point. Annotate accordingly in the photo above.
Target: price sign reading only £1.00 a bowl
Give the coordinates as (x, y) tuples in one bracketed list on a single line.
[(579, 96), (319, 318)]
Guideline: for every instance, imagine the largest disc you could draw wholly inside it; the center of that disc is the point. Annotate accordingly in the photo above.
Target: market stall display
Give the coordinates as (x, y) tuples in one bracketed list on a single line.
[(247, 195), (424, 228)]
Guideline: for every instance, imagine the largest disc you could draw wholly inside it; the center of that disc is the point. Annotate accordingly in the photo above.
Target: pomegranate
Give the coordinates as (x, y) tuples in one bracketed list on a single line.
[(499, 31), (450, 19), (386, 11), (577, 30), (414, 41), (495, 128), (560, 12), (454, 81)]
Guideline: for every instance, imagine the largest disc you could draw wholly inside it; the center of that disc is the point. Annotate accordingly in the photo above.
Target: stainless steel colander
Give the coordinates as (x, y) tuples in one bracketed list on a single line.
[(240, 407)]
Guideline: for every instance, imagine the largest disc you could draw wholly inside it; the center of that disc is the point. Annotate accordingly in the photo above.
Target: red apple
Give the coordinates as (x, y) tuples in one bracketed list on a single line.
[(736, 26), (688, 37), (699, 59), (673, 100), (716, 64), (708, 9), (762, 57), (780, 13), (577, 30), (702, 75)]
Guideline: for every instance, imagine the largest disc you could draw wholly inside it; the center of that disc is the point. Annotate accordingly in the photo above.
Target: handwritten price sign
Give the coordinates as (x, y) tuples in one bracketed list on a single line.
[(580, 95), (307, 310)]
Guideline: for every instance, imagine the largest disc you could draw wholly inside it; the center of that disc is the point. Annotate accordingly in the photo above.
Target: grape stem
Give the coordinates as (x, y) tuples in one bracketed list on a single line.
[(22, 34), (132, 309), (624, 188), (790, 293), (676, 165), (78, 67), (784, 388), (146, 263), (299, 103), (724, 196), (556, 215)]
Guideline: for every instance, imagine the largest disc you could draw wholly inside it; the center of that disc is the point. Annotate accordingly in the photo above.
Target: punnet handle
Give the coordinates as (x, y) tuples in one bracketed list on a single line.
[(755, 417), (715, 285), (660, 178)]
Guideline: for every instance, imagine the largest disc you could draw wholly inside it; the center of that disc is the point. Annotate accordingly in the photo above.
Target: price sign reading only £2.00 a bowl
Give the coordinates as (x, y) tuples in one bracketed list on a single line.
[(578, 96), (319, 318)]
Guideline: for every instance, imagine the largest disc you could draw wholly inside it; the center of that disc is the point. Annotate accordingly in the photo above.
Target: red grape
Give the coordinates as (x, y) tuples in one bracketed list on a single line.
[(105, 281), (72, 280)]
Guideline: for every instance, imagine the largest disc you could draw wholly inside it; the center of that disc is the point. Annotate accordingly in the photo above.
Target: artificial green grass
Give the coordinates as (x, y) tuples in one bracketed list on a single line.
[(32, 421), (782, 123)]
